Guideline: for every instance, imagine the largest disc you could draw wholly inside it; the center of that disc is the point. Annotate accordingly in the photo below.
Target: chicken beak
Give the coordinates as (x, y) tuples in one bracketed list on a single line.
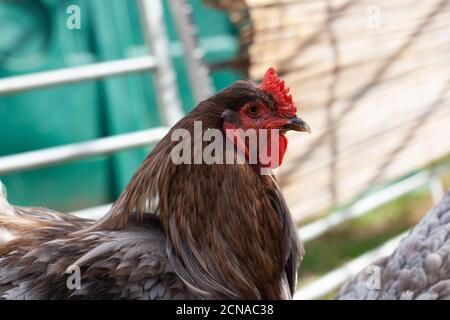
[(297, 124)]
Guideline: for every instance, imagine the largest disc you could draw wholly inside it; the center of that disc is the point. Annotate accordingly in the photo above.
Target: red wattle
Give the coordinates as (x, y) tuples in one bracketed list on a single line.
[(282, 148)]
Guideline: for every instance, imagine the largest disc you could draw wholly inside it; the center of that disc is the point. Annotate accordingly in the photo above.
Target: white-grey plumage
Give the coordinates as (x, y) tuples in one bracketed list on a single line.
[(418, 269)]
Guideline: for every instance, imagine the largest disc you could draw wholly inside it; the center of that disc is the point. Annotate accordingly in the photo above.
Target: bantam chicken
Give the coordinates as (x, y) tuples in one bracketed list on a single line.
[(179, 230)]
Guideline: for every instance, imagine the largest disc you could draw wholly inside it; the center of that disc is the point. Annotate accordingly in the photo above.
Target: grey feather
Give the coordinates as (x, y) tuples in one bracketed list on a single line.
[(418, 269)]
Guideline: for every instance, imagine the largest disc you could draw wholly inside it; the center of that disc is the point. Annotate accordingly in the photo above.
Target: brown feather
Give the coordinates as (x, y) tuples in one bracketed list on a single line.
[(218, 231)]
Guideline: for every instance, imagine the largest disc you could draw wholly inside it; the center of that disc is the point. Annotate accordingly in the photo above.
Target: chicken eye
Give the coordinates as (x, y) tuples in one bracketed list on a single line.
[(254, 111)]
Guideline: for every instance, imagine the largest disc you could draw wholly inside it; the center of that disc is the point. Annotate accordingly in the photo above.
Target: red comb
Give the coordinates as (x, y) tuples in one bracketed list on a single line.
[(275, 86)]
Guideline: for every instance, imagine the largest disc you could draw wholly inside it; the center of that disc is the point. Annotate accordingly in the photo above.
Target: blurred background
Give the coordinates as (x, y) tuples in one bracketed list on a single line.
[(88, 86)]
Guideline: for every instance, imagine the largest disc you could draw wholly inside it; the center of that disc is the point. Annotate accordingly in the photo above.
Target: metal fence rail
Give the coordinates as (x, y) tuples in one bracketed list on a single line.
[(15, 84), (157, 39), (168, 101), (197, 71), (376, 199), (81, 150)]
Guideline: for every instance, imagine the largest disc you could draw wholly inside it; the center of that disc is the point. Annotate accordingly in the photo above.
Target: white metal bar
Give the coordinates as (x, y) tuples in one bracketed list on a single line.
[(193, 55), (372, 201), (335, 278), (166, 82), (74, 151), (361, 207), (94, 212), (437, 189), (36, 80)]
